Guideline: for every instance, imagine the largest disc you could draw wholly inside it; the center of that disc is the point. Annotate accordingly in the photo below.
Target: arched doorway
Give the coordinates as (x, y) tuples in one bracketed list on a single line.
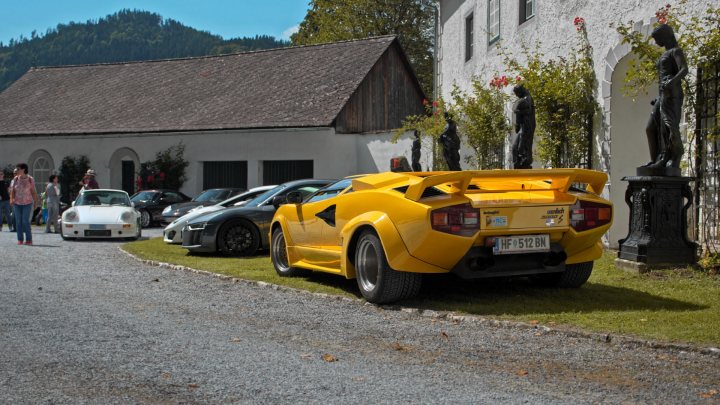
[(628, 143), (123, 165), (41, 166)]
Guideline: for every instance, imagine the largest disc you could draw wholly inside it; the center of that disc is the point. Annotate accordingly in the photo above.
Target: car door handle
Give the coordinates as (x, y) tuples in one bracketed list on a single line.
[(327, 215)]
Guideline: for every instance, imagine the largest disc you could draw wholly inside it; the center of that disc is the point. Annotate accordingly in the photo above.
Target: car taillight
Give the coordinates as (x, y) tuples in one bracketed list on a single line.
[(460, 220), (586, 215)]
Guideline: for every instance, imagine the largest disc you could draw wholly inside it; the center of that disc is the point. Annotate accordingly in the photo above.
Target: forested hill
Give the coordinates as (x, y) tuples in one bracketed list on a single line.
[(124, 36)]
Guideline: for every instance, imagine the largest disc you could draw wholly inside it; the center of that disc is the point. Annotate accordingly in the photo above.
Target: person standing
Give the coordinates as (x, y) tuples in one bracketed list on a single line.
[(88, 182), (24, 198), (4, 202), (52, 199)]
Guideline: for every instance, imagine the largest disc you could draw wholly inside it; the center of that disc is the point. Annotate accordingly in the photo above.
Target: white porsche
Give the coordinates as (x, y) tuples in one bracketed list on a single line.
[(101, 213), (173, 232)]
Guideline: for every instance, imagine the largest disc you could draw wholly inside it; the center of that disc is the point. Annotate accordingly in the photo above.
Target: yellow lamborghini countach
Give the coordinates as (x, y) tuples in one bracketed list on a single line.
[(387, 229)]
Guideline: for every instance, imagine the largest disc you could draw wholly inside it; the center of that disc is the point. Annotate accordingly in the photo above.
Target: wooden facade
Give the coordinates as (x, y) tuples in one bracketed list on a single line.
[(389, 93)]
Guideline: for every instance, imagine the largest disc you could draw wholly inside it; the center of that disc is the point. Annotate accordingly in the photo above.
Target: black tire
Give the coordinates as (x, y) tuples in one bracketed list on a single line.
[(238, 238), (279, 257), (145, 219), (574, 276), (377, 281)]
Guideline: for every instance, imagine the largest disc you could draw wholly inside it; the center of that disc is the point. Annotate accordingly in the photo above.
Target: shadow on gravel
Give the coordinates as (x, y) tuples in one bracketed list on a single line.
[(519, 296)]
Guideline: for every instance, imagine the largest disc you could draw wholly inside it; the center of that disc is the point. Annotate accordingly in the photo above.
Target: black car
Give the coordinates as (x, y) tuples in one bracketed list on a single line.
[(241, 231), (151, 203), (210, 196)]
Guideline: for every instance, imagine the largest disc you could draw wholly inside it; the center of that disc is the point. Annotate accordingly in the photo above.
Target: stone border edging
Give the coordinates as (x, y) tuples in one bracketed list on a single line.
[(453, 317)]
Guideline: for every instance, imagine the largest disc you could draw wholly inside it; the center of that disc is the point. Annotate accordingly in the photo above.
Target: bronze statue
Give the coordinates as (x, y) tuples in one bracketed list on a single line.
[(415, 156), (524, 111), (663, 127), (451, 144)]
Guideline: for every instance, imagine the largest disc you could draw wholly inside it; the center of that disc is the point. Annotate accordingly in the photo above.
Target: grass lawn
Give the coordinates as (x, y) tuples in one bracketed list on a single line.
[(679, 305)]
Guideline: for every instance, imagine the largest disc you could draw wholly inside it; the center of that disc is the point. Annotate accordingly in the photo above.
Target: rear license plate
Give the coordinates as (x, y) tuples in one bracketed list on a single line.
[(506, 245)]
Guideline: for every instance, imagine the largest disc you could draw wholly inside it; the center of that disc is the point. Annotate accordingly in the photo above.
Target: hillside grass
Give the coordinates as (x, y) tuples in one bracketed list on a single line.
[(678, 305)]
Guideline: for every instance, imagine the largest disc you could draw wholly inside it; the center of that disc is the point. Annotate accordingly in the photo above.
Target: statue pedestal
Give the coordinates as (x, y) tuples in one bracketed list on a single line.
[(657, 237)]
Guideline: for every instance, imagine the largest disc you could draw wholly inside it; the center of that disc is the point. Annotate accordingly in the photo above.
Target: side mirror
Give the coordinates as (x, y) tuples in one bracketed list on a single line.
[(294, 197), (73, 204), (279, 200), (132, 204)]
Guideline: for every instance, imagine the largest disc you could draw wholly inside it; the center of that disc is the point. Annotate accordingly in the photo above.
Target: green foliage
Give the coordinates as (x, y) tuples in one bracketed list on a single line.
[(71, 172), (481, 119), (411, 20), (428, 126), (124, 36), (563, 90), (166, 171), (699, 38), (710, 262), (8, 170)]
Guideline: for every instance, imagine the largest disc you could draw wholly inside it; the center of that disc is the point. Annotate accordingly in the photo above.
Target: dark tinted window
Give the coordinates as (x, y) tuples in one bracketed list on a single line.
[(330, 190)]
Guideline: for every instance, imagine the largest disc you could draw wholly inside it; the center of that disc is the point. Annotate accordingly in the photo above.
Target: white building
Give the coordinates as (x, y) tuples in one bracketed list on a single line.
[(245, 119), (470, 31)]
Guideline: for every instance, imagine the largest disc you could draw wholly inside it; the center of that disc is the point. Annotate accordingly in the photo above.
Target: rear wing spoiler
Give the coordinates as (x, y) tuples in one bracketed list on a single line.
[(506, 180)]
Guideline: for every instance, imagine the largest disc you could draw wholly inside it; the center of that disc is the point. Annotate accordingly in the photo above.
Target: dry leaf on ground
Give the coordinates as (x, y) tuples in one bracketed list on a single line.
[(329, 358)]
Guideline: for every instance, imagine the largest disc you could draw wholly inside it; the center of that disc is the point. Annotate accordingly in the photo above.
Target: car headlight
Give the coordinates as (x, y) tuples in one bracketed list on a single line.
[(127, 216), (197, 227), (166, 210), (70, 216)]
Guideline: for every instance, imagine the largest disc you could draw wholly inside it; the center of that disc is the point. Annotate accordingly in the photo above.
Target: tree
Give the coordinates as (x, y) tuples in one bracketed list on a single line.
[(412, 21), (166, 171), (72, 170), (481, 119)]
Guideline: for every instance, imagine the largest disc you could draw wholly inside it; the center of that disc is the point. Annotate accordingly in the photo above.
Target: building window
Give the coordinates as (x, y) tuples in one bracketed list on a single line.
[(280, 171), (493, 21), (41, 167), (527, 10), (225, 174), (469, 30)]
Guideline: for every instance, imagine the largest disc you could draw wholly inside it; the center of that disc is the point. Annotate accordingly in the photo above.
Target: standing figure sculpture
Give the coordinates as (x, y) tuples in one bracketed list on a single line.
[(663, 127), (415, 156), (450, 142), (524, 111)]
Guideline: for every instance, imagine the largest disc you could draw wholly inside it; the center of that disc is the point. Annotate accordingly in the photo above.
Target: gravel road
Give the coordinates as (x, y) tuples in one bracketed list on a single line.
[(82, 322)]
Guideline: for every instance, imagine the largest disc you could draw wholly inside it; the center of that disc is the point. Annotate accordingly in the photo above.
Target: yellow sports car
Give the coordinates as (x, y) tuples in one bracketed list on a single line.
[(387, 229)]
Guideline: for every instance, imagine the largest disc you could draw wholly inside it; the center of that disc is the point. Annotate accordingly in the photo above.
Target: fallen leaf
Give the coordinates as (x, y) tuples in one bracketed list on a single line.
[(551, 323), (534, 322), (521, 373), (329, 358), (709, 394), (397, 346), (236, 339), (538, 333), (157, 280), (445, 335), (193, 386), (643, 320), (306, 355), (166, 376)]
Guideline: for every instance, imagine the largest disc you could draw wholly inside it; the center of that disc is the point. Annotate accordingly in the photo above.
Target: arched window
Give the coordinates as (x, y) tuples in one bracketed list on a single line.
[(41, 167)]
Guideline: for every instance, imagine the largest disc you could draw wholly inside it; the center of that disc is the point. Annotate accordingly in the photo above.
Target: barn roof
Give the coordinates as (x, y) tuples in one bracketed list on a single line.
[(305, 86)]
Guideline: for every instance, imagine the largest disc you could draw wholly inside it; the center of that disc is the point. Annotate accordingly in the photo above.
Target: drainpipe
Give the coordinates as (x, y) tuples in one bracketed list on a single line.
[(436, 13)]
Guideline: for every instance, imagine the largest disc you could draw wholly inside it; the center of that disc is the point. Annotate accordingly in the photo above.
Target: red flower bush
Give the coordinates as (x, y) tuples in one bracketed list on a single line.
[(579, 23), (662, 14)]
